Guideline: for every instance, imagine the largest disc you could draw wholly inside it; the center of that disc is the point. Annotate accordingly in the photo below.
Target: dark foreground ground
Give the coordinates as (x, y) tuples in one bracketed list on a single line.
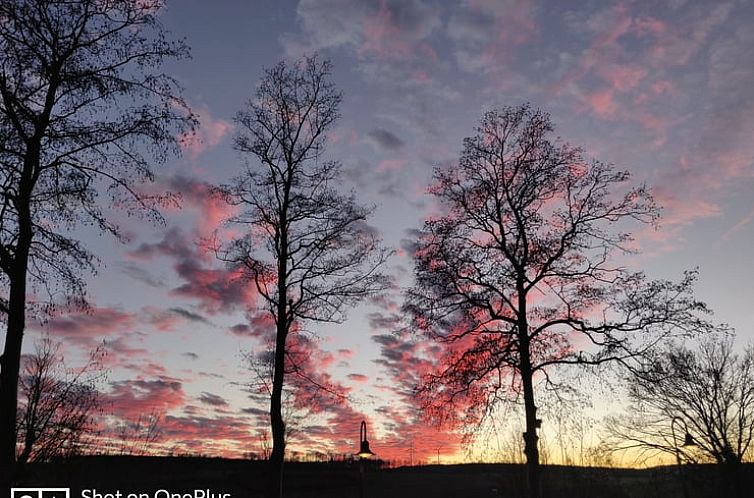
[(95, 477)]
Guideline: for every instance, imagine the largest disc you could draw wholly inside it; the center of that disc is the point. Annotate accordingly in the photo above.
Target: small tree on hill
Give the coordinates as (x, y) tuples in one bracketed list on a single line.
[(59, 405)]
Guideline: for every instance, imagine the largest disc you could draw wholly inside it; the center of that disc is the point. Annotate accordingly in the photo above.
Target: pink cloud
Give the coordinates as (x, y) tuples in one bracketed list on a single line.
[(260, 324), (162, 320), (681, 209), (200, 196), (602, 102), (210, 133), (623, 78), (88, 328), (346, 135), (421, 76), (144, 369), (391, 165), (216, 289), (609, 79), (122, 350), (131, 398), (357, 377), (663, 87), (225, 436), (486, 33), (382, 35), (407, 439), (677, 43)]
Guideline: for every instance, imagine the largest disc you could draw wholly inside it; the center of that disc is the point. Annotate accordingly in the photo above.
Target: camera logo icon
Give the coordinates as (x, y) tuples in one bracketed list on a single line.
[(40, 493)]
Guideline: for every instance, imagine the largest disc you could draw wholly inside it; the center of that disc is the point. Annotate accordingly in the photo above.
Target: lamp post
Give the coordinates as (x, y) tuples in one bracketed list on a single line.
[(363, 454), (364, 451), (688, 440)]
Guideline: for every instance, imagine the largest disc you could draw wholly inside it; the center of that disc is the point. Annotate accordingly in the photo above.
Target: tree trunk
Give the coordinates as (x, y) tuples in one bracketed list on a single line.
[(276, 414), (11, 363), (531, 447), (277, 456)]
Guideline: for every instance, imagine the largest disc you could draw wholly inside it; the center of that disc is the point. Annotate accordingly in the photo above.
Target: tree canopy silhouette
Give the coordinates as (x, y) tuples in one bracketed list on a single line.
[(83, 112), (305, 247), (708, 389), (518, 273)]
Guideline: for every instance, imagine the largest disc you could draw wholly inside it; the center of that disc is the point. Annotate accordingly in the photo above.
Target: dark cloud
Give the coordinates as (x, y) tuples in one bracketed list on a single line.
[(211, 375), (257, 412), (366, 175), (395, 349), (212, 399), (384, 139), (190, 316), (240, 329), (173, 244), (260, 324), (384, 321), (410, 243), (217, 289), (139, 273)]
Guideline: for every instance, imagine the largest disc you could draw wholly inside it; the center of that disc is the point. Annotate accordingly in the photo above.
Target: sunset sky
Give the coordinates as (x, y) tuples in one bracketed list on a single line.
[(662, 89)]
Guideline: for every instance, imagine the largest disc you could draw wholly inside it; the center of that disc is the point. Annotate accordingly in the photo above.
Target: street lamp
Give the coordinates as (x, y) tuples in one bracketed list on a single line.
[(364, 451), (688, 440), (363, 454)]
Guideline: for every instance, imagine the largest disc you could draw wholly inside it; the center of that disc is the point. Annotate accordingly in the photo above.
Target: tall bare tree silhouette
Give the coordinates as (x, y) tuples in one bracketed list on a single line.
[(306, 247), (82, 111), (518, 275)]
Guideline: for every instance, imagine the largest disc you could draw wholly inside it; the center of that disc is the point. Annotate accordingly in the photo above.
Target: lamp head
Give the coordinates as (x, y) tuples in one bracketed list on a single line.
[(688, 440), (364, 451)]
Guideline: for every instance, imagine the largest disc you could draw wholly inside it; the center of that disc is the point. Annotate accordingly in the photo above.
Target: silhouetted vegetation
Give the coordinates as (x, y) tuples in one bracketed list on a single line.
[(59, 406), (306, 247), (705, 394), (83, 112), (521, 263)]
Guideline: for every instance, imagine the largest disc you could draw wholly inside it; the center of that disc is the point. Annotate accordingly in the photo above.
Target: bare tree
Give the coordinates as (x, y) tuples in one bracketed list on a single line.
[(307, 248), (139, 436), (707, 392), (519, 273), (83, 111), (59, 405)]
